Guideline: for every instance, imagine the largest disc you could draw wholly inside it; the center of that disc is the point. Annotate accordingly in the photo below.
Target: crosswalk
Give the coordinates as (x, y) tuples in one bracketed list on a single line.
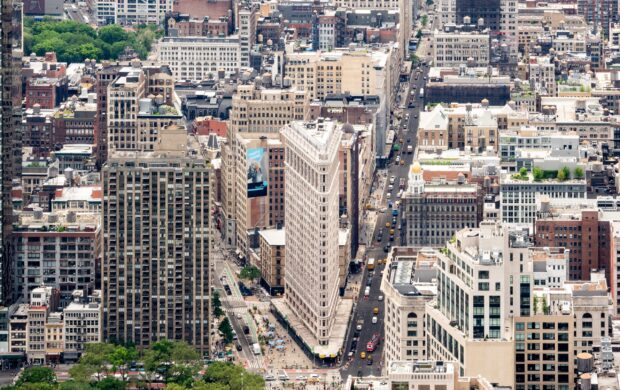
[(255, 364), (236, 310), (235, 302)]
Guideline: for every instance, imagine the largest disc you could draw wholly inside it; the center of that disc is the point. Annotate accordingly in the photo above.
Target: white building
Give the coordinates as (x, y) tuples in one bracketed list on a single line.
[(312, 224), (82, 324), (105, 12), (200, 58), (452, 48), (407, 287), (519, 195), (132, 12)]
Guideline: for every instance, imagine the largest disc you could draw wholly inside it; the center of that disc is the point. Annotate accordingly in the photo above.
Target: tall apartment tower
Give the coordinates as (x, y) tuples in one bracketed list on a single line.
[(311, 282), (10, 134), (156, 270)]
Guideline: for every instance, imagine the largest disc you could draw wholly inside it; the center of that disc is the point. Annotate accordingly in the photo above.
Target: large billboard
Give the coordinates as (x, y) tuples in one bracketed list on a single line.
[(258, 168)]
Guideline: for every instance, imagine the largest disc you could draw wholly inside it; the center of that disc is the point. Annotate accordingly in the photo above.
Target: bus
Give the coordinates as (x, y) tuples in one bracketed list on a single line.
[(371, 264)]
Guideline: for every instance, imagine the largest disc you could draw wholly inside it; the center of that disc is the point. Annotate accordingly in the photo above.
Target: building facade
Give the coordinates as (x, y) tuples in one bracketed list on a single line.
[(312, 201), (156, 273)]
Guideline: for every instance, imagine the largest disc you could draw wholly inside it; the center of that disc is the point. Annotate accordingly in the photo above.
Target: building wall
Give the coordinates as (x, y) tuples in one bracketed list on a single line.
[(312, 226), (544, 351), (588, 239), (157, 227)]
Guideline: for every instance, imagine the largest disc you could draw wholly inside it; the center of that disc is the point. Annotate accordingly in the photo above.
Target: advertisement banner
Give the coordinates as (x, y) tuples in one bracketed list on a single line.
[(258, 167)]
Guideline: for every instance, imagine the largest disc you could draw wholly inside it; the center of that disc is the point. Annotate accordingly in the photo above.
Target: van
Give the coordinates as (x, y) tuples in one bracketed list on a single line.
[(367, 291)]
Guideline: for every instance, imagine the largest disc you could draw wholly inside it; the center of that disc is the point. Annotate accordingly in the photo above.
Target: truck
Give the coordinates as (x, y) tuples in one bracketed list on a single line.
[(372, 344), (371, 264), (367, 291), (409, 149), (256, 348)]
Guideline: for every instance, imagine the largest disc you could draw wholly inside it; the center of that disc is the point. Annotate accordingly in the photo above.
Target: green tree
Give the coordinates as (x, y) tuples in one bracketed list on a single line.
[(37, 375), (250, 272), (424, 20), (226, 329), (120, 358), (564, 174), (177, 362), (538, 174), (578, 173), (235, 377), (93, 361), (216, 303), (110, 383), (37, 386), (523, 172), (418, 34), (112, 33)]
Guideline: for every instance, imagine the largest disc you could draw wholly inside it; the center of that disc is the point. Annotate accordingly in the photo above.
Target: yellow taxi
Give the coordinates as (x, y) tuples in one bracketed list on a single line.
[(388, 225), (375, 310), (362, 355)]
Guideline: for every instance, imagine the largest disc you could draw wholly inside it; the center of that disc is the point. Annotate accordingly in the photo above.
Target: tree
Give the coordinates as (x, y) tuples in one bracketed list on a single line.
[(424, 20), (414, 59), (236, 377), (177, 362), (578, 173), (429, 2), (120, 358), (226, 330), (94, 361), (250, 272), (216, 303), (110, 383), (523, 172), (112, 33), (563, 174), (37, 375), (418, 34), (538, 174)]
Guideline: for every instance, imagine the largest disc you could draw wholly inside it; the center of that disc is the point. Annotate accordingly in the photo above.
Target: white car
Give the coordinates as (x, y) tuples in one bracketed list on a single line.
[(397, 159), (359, 327), (380, 296), (374, 319)]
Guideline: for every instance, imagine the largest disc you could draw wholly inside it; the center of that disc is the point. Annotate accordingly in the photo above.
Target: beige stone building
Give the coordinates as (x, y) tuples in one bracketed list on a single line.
[(461, 126), (359, 72), (312, 224), (259, 183), (258, 110), (140, 102), (272, 259), (407, 287)]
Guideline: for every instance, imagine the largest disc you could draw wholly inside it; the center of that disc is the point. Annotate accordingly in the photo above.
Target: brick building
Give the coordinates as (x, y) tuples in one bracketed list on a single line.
[(583, 232)]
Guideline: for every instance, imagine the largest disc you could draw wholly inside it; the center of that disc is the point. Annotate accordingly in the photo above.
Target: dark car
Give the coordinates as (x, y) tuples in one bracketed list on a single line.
[(386, 248), (380, 237), (353, 345), (391, 237), (239, 347), (369, 361), (369, 282), (246, 329)]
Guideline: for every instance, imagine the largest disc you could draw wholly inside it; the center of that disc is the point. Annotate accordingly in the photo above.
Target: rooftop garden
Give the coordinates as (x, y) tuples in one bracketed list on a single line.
[(539, 174)]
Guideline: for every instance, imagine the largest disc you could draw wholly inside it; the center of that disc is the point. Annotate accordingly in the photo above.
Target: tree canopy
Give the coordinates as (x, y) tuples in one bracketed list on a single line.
[(74, 42), (107, 366)]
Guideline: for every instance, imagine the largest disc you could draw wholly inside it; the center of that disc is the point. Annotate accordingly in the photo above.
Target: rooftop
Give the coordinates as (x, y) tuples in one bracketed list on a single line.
[(274, 237), (420, 367)]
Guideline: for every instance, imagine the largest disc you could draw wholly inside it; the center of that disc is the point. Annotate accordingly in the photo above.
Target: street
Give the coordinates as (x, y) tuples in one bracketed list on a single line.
[(365, 306)]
